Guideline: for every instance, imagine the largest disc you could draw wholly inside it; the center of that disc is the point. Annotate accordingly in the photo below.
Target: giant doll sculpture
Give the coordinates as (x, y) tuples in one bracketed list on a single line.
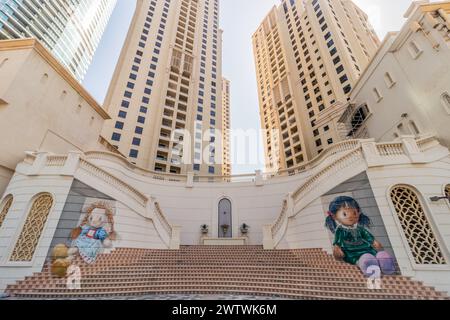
[(352, 241), (95, 233)]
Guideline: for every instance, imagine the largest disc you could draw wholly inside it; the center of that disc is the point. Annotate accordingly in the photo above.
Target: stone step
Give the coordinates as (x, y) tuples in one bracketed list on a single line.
[(350, 293), (336, 285), (307, 274)]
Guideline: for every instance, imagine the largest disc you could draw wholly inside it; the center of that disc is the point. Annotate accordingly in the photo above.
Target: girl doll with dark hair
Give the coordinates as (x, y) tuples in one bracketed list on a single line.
[(352, 241)]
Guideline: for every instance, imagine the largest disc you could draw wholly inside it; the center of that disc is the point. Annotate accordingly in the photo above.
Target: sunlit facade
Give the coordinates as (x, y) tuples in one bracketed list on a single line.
[(226, 168), (165, 97), (71, 29), (308, 56)]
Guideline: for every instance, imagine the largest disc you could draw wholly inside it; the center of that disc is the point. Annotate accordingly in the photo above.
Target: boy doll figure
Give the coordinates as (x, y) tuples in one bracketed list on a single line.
[(352, 241)]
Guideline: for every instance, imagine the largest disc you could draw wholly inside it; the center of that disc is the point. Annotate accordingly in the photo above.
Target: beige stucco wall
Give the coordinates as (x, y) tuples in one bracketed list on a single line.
[(419, 80), (45, 109)]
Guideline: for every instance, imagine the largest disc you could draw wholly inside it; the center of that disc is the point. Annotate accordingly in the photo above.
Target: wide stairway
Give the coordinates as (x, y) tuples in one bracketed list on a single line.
[(237, 270)]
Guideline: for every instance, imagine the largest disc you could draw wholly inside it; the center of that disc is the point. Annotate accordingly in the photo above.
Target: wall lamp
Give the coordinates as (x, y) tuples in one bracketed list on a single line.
[(438, 198)]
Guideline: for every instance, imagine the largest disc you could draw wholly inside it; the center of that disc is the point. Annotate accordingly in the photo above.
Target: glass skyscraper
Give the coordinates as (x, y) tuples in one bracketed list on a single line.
[(70, 29)]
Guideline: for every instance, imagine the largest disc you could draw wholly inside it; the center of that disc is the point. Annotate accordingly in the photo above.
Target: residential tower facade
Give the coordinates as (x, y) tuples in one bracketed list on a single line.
[(71, 30), (165, 97), (308, 55), (226, 127)]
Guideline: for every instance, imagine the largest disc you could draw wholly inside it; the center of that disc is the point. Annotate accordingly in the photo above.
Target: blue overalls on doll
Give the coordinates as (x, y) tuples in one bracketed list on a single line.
[(352, 241)]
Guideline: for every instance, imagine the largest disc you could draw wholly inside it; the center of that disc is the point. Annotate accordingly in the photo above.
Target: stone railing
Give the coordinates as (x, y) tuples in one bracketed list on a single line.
[(56, 160), (162, 219), (427, 142), (374, 153), (273, 233), (258, 177), (112, 180), (367, 154), (338, 148), (278, 223), (346, 161), (75, 165), (390, 149), (112, 157)]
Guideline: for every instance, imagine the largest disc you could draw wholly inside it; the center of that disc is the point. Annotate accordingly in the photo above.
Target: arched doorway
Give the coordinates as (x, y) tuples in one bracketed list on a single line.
[(225, 219)]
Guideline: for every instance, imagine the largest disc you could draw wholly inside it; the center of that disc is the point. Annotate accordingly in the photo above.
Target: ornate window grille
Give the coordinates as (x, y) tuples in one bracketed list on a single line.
[(6, 205), (416, 227), (32, 230), (358, 119)]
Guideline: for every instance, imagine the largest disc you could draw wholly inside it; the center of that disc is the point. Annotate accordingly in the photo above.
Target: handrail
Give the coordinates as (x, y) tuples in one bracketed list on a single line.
[(426, 142), (384, 149), (60, 162), (344, 161), (100, 155), (56, 160), (107, 177), (337, 148), (276, 226), (162, 219), (390, 149), (343, 146)]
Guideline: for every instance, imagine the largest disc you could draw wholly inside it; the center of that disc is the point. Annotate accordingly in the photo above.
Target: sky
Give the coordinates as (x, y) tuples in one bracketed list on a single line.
[(239, 19)]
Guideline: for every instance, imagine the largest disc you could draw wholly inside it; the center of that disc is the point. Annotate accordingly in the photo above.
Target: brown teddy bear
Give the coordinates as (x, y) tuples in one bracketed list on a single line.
[(60, 263)]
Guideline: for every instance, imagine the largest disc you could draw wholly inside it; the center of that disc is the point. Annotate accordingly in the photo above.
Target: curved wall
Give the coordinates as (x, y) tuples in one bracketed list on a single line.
[(190, 207)]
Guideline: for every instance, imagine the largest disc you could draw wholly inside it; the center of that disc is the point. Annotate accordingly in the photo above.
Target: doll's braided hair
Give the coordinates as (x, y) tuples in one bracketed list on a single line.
[(347, 202), (108, 212)]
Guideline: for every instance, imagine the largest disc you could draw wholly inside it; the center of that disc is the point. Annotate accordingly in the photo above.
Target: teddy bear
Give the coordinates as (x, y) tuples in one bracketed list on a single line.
[(93, 235), (60, 263)]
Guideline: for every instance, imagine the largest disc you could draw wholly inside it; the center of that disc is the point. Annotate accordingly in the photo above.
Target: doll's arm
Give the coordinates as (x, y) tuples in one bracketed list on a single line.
[(75, 233), (377, 246), (371, 239), (338, 253)]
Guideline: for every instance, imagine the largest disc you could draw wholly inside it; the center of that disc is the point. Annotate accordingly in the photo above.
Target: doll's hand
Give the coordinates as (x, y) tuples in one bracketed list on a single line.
[(338, 253), (107, 243), (377, 246)]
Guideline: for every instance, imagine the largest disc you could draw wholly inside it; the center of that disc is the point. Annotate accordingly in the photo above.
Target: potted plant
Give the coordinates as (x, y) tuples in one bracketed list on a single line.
[(225, 228), (204, 228), (244, 228)]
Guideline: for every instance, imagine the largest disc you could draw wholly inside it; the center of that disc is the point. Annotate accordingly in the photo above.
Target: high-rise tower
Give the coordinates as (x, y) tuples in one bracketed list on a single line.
[(226, 127), (166, 93), (308, 55), (71, 30)]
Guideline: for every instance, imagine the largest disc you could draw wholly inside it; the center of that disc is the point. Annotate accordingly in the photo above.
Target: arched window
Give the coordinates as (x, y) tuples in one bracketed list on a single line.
[(32, 230), (3, 62), (416, 227), (445, 99), (44, 78), (4, 208), (414, 129), (401, 128), (377, 94), (414, 50), (225, 219), (358, 119), (389, 80)]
